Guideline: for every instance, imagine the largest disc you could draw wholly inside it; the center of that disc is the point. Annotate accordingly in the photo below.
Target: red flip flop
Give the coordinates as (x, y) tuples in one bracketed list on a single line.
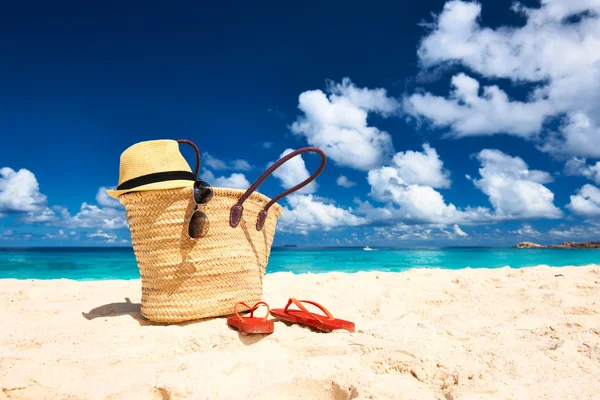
[(325, 323), (251, 324)]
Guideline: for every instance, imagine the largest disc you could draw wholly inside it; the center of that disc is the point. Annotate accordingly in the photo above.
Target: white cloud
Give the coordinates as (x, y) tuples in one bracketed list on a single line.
[(88, 216), (422, 168), (44, 215), (58, 235), (584, 232), (409, 183), (337, 123), (468, 113), (19, 192), (105, 236), (217, 164), (586, 201), (105, 200), (417, 203), (241, 165), (579, 167), (92, 216), (526, 230), (402, 231), (557, 56), (8, 233), (233, 181), (514, 190), (267, 145), (459, 231), (293, 172), (578, 135), (343, 181), (367, 99), (307, 212)]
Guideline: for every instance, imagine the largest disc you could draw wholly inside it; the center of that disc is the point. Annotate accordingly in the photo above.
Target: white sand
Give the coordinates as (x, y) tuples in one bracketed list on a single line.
[(422, 334)]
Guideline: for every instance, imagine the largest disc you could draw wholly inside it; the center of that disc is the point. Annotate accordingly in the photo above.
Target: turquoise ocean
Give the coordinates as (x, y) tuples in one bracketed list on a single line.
[(119, 263)]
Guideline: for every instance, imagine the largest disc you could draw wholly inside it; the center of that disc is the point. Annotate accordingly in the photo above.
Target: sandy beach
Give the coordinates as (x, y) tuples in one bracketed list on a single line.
[(529, 333)]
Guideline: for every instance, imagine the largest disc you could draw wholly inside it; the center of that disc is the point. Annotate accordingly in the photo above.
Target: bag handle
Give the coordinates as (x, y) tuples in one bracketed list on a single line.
[(235, 214), (197, 154)]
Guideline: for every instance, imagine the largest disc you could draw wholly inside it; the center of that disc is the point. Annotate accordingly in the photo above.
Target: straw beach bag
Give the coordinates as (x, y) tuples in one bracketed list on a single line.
[(186, 278)]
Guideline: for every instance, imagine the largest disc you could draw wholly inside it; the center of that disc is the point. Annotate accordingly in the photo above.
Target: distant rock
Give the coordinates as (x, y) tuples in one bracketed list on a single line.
[(528, 245), (564, 245), (575, 245)]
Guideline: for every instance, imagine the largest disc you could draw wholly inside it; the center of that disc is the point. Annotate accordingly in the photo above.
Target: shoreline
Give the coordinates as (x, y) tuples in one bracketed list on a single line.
[(325, 272), (424, 333)]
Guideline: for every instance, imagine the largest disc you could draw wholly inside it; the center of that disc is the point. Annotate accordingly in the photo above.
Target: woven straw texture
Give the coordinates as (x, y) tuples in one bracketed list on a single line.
[(185, 279)]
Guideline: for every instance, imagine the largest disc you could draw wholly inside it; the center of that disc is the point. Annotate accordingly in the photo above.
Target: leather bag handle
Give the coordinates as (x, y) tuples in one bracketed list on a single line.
[(235, 214), (197, 169)]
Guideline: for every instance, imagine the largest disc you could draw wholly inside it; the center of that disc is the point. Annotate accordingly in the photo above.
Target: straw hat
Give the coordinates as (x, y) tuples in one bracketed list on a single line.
[(153, 165)]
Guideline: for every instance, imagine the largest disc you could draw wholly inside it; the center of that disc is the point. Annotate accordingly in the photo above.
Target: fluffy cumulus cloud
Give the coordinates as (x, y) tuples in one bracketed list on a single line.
[(421, 168), (467, 112), (586, 201), (579, 167), (410, 183), (88, 216), (233, 181), (105, 200), (514, 190), (92, 216), (217, 164), (108, 214), (306, 212), (336, 121), (557, 55), (416, 202), (20, 192), (343, 181), (293, 172), (42, 216)]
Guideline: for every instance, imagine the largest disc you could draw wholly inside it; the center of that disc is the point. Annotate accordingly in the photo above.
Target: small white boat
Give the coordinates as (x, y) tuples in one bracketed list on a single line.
[(367, 248)]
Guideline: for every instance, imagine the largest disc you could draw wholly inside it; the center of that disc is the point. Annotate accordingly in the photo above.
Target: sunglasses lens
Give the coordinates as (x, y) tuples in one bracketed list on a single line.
[(198, 225), (202, 192)]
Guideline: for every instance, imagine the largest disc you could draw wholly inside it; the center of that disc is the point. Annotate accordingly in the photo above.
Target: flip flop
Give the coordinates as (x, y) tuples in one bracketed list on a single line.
[(251, 324), (325, 323)]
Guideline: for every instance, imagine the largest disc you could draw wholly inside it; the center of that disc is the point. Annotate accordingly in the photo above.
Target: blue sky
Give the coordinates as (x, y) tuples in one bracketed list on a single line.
[(445, 122)]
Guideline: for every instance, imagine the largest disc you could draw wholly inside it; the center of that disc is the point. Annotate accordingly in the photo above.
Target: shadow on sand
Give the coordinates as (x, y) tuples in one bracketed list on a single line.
[(135, 312), (116, 310)]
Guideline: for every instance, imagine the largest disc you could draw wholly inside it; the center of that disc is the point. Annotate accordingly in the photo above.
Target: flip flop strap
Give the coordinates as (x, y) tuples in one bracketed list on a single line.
[(254, 307), (298, 303), (236, 311)]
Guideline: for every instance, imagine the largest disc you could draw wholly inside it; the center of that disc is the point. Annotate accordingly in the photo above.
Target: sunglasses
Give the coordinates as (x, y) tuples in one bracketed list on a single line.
[(199, 224)]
